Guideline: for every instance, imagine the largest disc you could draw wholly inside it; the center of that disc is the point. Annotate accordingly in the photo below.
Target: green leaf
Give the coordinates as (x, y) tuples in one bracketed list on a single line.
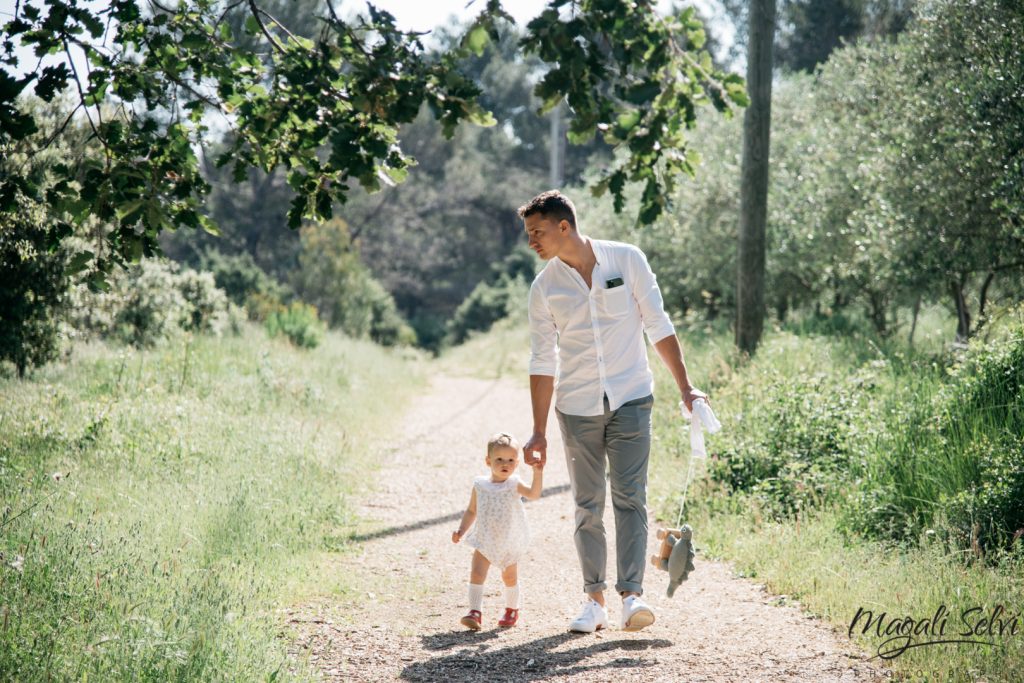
[(627, 121), (208, 225), (476, 40), (79, 262), (600, 187), (738, 94), (481, 117), (128, 208), (51, 81), (398, 175), (252, 27), (298, 208), (97, 282)]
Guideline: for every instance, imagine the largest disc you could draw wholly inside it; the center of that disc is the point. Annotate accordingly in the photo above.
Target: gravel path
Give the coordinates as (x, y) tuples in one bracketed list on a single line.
[(400, 622)]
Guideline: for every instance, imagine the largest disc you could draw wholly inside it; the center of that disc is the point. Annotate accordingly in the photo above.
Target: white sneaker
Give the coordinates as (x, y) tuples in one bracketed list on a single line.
[(593, 617), (635, 614)]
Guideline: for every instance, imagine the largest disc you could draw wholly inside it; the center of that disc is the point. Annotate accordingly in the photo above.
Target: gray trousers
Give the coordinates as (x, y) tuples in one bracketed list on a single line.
[(622, 439)]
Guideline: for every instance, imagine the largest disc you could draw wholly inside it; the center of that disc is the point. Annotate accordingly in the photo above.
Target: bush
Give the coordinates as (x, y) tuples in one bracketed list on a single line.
[(495, 298), (796, 444), (298, 322), (991, 512), (205, 304), (243, 281), (366, 309), (150, 306), (952, 457), (153, 300), (33, 290), (485, 305), (980, 418), (332, 278)]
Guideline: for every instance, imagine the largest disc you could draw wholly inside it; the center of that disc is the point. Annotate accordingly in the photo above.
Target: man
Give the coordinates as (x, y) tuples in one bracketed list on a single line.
[(589, 308)]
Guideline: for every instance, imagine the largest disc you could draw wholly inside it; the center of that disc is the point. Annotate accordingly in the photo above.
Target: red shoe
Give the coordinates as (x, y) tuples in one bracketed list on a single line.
[(473, 621), (510, 618)]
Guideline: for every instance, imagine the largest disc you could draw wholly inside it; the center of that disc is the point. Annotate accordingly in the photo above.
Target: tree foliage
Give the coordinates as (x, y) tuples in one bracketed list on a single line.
[(326, 110), (895, 178), (810, 30), (333, 278)]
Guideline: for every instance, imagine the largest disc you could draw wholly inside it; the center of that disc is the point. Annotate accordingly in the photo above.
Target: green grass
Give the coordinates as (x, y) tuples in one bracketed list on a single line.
[(504, 351), (159, 506)]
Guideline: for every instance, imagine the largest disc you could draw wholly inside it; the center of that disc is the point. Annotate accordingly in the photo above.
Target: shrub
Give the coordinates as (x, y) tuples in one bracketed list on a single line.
[(242, 280), (152, 300), (205, 304), (33, 290), (149, 304), (485, 305), (502, 294), (298, 322), (952, 456), (991, 511), (332, 278), (796, 444), (980, 423), (260, 306)]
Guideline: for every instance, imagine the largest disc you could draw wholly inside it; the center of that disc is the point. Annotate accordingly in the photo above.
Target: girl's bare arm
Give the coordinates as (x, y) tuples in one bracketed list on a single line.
[(468, 517), (536, 486)]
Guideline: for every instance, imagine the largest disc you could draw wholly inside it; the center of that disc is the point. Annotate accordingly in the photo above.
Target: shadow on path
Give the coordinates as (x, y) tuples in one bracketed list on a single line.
[(434, 521), (532, 661)]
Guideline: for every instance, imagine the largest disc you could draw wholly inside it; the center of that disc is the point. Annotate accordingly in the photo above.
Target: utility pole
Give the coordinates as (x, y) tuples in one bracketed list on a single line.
[(557, 157), (754, 178)]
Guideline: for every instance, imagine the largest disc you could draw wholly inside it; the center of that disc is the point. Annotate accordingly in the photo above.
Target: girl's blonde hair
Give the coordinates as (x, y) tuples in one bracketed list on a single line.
[(501, 440)]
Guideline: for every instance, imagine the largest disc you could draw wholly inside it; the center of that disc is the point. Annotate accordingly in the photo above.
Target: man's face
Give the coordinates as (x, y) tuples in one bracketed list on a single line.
[(545, 234)]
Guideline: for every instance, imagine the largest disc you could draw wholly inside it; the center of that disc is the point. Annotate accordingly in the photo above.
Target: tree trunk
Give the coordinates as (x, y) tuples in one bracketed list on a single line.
[(913, 323), (963, 316), (983, 298), (754, 181), (877, 313)]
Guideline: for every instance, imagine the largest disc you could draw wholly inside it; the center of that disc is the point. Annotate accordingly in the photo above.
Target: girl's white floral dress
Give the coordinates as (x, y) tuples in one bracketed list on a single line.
[(500, 533)]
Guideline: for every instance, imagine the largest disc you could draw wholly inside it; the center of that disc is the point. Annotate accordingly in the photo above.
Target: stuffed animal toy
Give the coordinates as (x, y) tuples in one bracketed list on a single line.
[(675, 555)]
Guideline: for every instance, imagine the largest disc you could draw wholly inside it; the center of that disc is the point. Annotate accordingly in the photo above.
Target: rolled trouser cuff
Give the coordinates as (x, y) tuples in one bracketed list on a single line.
[(631, 586), (595, 587)]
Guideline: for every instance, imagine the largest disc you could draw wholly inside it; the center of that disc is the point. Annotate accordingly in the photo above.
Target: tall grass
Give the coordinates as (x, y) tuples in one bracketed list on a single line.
[(159, 505)]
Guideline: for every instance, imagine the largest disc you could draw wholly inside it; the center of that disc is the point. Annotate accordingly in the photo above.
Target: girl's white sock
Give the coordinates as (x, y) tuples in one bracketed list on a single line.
[(512, 596), (476, 596)]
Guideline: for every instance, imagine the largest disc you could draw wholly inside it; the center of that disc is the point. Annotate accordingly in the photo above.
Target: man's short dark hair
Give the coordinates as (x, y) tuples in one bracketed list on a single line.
[(550, 204)]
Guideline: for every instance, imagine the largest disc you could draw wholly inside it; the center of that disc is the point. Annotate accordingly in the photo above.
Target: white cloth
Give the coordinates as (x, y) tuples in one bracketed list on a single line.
[(500, 532), (591, 340), (702, 418)]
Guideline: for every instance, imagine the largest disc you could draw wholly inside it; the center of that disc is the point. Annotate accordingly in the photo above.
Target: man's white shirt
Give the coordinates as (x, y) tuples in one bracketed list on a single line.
[(591, 340)]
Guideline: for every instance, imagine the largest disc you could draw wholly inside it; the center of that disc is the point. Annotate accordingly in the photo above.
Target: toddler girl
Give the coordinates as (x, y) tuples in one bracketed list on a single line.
[(500, 536)]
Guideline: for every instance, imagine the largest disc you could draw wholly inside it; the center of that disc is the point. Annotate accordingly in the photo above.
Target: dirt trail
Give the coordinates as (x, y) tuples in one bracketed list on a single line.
[(401, 622)]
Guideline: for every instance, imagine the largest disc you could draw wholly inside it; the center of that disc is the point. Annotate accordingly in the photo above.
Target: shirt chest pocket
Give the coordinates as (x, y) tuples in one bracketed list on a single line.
[(616, 301)]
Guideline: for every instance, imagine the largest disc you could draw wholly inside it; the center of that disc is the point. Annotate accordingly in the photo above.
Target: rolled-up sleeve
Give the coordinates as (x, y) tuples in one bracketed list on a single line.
[(657, 324), (543, 334)]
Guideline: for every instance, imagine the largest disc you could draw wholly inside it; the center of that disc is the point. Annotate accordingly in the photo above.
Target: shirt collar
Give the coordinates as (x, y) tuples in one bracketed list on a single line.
[(598, 251)]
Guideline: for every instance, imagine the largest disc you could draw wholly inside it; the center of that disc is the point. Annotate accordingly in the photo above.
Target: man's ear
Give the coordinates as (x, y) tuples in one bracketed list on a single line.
[(564, 225)]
